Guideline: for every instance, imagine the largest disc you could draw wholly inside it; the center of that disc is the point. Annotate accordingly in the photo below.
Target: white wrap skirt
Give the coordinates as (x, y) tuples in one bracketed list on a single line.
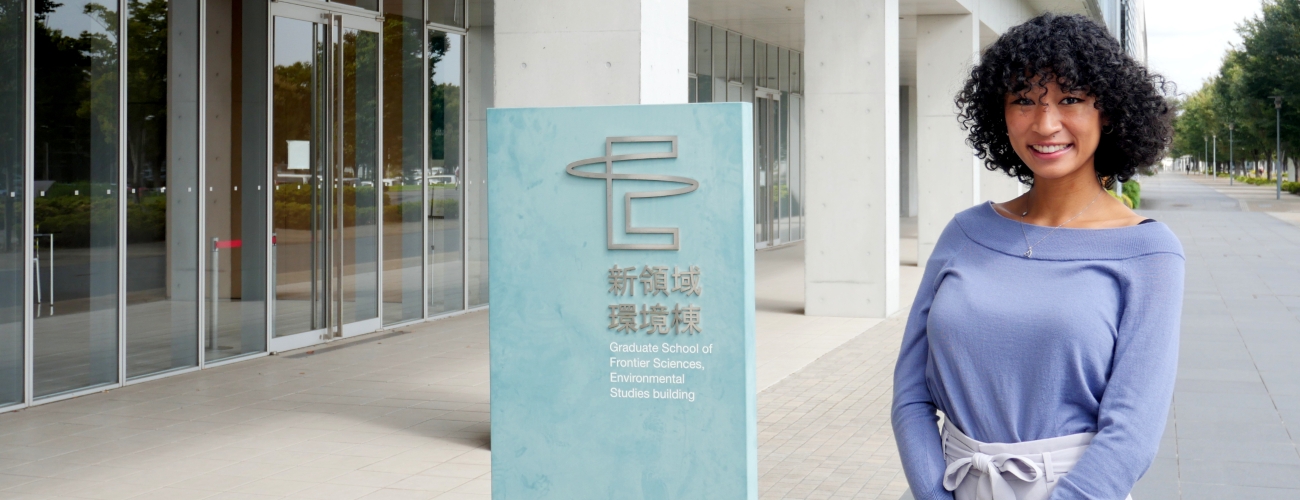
[(1028, 470)]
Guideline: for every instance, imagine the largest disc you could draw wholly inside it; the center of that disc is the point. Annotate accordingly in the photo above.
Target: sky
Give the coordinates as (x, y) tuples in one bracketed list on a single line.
[(1186, 39)]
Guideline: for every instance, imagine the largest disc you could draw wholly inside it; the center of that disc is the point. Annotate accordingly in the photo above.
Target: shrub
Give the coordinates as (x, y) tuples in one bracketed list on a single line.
[(1133, 191), (1128, 202)]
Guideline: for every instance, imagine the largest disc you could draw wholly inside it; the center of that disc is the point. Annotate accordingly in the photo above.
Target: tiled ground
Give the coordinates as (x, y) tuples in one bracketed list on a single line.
[(396, 416), (389, 415), (824, 432), (1235, 423)]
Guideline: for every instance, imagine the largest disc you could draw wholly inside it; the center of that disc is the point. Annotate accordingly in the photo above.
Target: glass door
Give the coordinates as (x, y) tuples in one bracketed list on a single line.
[(325, 155)]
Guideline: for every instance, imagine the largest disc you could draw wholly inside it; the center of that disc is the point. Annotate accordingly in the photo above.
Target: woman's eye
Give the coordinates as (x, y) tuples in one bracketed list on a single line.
[(1023, 102), (1071, 100)]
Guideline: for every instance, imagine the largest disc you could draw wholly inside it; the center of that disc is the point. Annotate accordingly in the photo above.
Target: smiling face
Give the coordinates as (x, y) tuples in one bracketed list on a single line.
[(1054, 132)]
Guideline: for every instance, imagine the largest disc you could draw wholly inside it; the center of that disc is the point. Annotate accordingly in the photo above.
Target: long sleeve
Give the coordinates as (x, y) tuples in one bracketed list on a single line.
[(914, 412), (1135, 404)]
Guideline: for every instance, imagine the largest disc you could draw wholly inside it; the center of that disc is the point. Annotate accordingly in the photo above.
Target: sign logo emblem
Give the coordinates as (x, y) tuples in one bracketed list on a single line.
[(609, 176)]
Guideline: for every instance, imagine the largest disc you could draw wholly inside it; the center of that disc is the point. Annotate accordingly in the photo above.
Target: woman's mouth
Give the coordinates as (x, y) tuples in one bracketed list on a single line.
[(1049, 151)]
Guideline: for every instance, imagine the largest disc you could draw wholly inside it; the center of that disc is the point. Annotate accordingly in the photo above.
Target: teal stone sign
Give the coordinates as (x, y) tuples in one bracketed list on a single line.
[(621, 266)]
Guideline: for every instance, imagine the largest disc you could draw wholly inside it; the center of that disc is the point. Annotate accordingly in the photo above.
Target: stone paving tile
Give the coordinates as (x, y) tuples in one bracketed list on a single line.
[(1232, 435), (824, 432), (401, 417)]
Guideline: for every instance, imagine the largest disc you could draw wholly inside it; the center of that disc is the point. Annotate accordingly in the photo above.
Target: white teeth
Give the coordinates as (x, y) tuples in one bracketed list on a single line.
[(1049, 148)]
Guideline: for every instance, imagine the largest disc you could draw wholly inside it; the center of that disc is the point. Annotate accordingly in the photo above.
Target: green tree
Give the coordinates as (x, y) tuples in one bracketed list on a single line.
[(1267, 63)]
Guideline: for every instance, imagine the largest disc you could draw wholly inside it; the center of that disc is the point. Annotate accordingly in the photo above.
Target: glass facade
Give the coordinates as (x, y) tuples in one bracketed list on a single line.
[(13, 198), (77, 129), (447, 13), (446, 262), (403, 150), (235, 236), (729, 67), (162, 169), (187, 183), (184, 184)]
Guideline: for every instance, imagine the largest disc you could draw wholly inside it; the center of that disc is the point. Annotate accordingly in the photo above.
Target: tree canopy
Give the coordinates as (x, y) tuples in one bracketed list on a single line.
[(1267, 63)]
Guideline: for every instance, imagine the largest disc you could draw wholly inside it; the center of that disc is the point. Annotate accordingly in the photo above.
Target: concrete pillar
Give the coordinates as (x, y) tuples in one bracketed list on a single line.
[(851, 75), (946, 47), (479, 96), (913, 182), (907, 185), (997, 186), (590, 52)]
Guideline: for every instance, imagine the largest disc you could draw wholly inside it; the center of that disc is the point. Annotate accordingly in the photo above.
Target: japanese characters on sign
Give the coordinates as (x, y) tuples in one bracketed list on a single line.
[(657, 317)]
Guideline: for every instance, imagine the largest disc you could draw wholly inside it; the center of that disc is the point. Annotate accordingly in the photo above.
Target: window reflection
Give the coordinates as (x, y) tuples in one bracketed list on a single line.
[(76, 219), (443, 178), (403, 156), (162, 174), (234, 246), (13, 47)]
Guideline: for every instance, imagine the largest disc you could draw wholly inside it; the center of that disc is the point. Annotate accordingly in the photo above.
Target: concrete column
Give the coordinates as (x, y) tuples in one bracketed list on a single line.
[(997, 186), (946, 47), (590, 52), (479, 89), (913, 185), (851, 75)]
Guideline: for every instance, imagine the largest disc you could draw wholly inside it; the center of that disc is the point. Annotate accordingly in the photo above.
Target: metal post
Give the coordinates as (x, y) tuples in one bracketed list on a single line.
[(1214, 164), (1232, 166), (1277, 105), (51, 273), (216, 289), (36, 264)]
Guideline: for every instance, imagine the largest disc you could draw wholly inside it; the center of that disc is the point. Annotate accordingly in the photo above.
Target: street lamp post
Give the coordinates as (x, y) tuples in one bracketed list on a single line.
[(1214, 163), (1232, 167), (1277, 105)]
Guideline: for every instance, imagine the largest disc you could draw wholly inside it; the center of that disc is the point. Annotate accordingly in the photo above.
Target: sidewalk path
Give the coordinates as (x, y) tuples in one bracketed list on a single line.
[(1235, 421)]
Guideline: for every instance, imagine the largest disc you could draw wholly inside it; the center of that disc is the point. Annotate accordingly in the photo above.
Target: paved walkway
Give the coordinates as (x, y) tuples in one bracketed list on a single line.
[(400, 414), (1235, 422)]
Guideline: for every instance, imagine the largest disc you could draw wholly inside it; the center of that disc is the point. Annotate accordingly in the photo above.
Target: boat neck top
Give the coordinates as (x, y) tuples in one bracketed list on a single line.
[(1082, 337)]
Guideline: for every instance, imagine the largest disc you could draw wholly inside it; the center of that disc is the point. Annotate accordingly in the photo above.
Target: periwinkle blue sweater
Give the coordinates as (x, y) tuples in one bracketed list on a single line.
[(1082, 337)]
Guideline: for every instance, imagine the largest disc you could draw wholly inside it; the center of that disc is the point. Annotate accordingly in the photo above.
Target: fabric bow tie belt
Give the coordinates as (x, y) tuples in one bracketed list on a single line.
[(995, 468), (991, 468)]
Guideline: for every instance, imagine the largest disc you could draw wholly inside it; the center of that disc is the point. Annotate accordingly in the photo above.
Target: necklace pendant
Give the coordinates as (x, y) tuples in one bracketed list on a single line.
[(1029, 254)]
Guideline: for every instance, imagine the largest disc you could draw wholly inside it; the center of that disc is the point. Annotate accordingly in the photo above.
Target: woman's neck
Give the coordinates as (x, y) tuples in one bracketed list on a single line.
[(1053, 201)]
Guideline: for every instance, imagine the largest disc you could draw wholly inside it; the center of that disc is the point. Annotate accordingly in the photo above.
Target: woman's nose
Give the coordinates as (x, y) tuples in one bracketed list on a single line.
[(1047, 120)]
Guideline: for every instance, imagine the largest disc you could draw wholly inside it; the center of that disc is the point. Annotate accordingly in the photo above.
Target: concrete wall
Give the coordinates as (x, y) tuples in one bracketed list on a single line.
[(590, 52)]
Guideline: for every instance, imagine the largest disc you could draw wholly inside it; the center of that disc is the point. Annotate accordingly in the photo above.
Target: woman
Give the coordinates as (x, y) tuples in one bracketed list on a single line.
[(1046, 327)]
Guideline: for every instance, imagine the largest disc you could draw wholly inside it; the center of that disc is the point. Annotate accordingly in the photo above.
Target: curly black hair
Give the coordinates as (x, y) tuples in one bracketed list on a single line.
[(1079, 55)]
